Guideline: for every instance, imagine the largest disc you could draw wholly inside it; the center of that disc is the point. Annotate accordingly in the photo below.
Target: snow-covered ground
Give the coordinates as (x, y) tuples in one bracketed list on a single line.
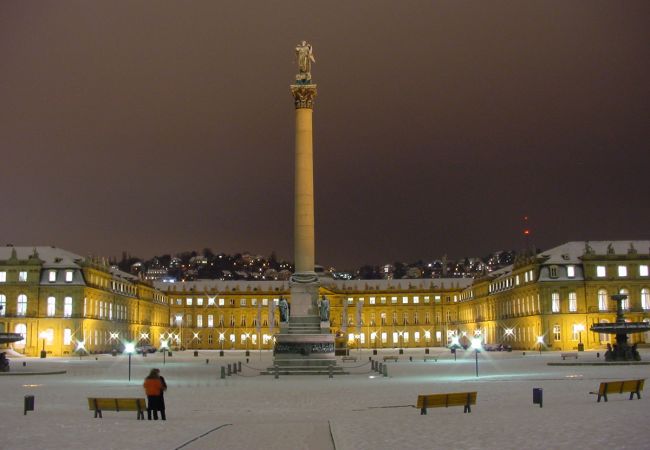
[(363, 410)]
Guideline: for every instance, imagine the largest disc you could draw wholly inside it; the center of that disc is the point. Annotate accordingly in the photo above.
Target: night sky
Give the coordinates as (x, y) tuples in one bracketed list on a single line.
[(158, 126)]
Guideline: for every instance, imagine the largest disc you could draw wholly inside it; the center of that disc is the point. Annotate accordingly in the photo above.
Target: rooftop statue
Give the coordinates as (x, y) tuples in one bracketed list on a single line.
[(305, 54)]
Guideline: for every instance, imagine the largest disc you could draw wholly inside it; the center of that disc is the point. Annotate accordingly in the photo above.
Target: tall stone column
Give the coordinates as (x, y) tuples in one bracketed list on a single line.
[(304, 253), (304, 341)]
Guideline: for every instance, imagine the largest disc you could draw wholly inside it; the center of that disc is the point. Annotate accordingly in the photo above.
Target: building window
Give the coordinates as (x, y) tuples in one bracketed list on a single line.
[(643, 271), (210, 338), (622, 271), (601, 272), (552, 271), (210, 301), (602, 300), (67, 336), (556, 332), (384, 337), (393, 300), (416, 300), (67, 307), (405, 318), (68, 276), (199, 320), (555, 302), (22, 275), (210, 321), (242, 302), (3, 277), (199, 302), (405, 300), (188, 301), (372, 300), (383, 318), (3, 305), (570, 271), (51, 276), (573, 302), (221, 301), (21, 309), (645, 298), (51, 306), (265, 302), (21, 329)]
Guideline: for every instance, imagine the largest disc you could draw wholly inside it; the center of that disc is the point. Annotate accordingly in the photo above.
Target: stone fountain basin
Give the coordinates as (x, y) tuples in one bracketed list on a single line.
[(621, 328)]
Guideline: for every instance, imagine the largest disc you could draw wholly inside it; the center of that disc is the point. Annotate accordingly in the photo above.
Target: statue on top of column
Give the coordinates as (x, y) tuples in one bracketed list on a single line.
[(305, 55)]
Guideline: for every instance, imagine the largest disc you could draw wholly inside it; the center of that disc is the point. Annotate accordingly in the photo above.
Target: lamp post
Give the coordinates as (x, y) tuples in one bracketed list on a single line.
[(43, 336), (163, 347), (129, 348), (540, 341), (80, 348), (179, 321), (476, 346)]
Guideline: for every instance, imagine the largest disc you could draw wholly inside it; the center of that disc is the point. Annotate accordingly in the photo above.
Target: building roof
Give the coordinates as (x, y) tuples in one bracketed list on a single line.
[(572, 252), (52, 257)]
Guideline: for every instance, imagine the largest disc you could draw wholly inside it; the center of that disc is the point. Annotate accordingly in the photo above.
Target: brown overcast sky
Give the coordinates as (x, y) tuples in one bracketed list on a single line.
[(160, 126)]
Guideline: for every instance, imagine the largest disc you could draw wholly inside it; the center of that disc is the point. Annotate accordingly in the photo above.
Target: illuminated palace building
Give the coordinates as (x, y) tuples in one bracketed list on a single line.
[(61, 302)]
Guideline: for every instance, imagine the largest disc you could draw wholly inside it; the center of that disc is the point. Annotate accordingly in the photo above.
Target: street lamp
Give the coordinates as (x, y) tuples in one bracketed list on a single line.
[(129, 348), (163, 347), (80, 348), (44, 335), (540, 341), (476, 346)]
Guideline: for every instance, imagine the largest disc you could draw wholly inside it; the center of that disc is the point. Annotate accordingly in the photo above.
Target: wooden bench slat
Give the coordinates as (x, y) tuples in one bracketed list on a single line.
[(620, 387)]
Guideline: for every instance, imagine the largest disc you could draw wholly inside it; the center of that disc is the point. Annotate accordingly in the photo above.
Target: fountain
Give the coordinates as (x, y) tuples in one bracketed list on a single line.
[(621, 351)]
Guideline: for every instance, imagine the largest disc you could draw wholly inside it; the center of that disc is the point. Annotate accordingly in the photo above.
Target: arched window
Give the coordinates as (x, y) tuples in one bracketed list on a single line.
[(602, 300), (625, 304), (645, 298), (21, 307)]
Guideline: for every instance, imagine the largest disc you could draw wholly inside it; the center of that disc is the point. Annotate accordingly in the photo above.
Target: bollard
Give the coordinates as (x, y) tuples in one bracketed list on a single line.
[(223, 372), (597, 354), (524, 354), (229, 369), (374, 351), (538, 396), (247, 359), (276, 369), (24, 363), (380, 367), (169, 354), (331, 371), (239, 366), (411, 358), (196, 353), (426, 351), (220, 352), (207, 361), (248, 353), (29, 403), (369, 358), (385, 372), (401, 351)]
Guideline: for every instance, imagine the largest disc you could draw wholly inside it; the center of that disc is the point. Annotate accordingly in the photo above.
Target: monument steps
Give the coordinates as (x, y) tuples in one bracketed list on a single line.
[(305, 370)]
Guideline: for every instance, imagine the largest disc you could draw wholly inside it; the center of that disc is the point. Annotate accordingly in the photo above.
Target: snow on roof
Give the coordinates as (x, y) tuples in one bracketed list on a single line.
[(571, 252), (52, 257)]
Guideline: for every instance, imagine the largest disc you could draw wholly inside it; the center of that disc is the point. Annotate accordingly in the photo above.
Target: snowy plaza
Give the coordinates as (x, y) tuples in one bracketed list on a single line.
[(362, 410)]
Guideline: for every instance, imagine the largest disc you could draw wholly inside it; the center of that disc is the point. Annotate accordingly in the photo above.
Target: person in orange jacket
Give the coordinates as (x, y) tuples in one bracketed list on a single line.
[(154, 386)]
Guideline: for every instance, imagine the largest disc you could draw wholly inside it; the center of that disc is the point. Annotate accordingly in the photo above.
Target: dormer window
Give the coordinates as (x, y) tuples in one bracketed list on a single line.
[(601, 272), (570, 271), (552, 271), (68, 276), (22, 275), (622, 271), (51, 276)]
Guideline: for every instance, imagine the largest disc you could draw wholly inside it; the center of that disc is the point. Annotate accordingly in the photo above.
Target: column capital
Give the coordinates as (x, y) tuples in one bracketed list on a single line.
[(303, 95)]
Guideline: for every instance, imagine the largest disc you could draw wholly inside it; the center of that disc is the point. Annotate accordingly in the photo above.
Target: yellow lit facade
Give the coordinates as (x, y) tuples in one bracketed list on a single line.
[(57, 299)]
